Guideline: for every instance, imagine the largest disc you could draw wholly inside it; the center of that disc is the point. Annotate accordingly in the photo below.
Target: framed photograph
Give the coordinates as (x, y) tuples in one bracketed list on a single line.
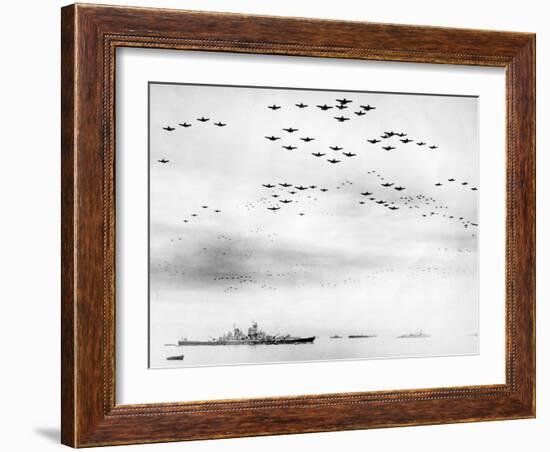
[(281, 225)]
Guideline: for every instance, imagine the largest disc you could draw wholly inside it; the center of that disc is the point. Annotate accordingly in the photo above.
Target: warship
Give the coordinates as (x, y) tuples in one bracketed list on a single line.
[(254, 336), (175, 358), (361, 336), (336, 336), (418, 335)]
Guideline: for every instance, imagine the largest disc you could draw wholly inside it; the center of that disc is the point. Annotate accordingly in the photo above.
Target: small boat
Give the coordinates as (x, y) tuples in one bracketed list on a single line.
[(175, 358)]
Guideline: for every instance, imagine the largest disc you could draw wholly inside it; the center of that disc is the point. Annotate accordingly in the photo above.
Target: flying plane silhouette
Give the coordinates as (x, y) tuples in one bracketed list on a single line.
[(168, 128), (464, 183), (360, 113), (367, 193), (274, 196), (344, 101), (451, 180), (433, 147), (203, 119), (290, 148), (367, 107), (438, 184), (204, 207), (388, 148), (185, 124), (268, 185), (406, 140), (290, 130), (273, 138), (220, 124), (217, 211), (386, 184), (292, 192), (313, 186), (473, 188), (273, 209), (374, 141), (163, 161), (301, 187), (341, 107), (307, 139), (324, 107), (274, 107), (341, 118), (324, 189), (380, 202), (361, 202), (349, 154), (393, 208), (421, 143), (285, 201), (333, 161), (399, 188), (317, 154), (401, 134), (301, 105), (285, 185), (336, 148)]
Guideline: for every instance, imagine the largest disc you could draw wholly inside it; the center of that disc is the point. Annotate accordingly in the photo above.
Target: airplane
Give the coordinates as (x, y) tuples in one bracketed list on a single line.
[(341, 118), (473, 188), (292, 192), (433, 147), (402, 134), (380, 202), (324, 189), (333, 161), (186, 221), (290, 148), (185, 124), (285, 201), (217, 211), (274, 196), (301, 105), (168, 128), (399, 188), (388, 148), (317, 154), (344, 101), (464, 183), (204, 207), (301, 214), (421, 143), (360, 113), (290, 130), (367, 107), (274, 107), (268, 185), (336, 148), (273, 138), (301, 188), (285, 185), (451, 180), (313, 186), (406, 140), (194, 215), (374, 141), (203, 119), (387, 184), (390, 134), (367, 193), (349, 154), (307, 139), (273, 209), (439, 184), (361, 202), (393, 208), (324, 107), (372, 199), (220, 124), (163, 161), (341, 106)]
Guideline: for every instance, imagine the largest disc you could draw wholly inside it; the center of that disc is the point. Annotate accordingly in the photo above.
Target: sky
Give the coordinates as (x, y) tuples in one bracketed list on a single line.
[(347, 264)]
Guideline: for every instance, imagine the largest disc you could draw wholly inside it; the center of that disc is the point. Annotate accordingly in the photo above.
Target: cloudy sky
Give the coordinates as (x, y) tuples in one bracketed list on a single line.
[(342, 266)]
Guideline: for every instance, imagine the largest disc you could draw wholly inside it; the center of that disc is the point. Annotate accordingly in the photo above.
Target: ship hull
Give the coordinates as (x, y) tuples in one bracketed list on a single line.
[(298, 340)]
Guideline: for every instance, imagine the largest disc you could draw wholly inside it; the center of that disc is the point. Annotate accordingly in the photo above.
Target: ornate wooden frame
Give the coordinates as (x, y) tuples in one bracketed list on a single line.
[(90, 35)]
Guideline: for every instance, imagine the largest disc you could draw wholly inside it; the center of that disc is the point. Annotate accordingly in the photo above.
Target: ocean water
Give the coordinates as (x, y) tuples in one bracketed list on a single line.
[(322, 349)]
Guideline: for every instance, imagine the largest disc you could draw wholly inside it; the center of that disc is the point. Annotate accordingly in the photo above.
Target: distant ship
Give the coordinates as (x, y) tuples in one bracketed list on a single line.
[(336, 336), (254, 336), (358, 336), (175, 358), (417, 335)]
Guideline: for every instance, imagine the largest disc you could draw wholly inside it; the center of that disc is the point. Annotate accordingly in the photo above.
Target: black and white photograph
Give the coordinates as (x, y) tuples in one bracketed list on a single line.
[(290, 225)]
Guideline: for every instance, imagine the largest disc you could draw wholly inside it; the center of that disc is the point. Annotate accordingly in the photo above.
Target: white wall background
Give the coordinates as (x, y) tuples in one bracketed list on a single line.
[(29, 231)]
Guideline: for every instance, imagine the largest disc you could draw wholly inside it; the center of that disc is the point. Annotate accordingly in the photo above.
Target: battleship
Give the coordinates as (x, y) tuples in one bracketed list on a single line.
[(418, 335), (254, 336), (361, 336)]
